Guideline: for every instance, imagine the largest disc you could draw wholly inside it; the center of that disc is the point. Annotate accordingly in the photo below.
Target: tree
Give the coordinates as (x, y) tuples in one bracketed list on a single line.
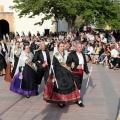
[(115, 22), (101, 10), (110, 16), (58, 9), (79, 22), (101, 13)]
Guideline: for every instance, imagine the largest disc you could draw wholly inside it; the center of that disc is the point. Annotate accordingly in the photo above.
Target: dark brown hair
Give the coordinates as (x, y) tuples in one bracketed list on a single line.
[(17, 42), (61, 42), (25, 46)]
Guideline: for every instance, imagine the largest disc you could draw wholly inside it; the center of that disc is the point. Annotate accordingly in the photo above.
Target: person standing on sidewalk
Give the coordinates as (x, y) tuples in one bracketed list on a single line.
[(4, 47), (3, 64), (42, 61), (77, 61), (24, 80), (60, 87)]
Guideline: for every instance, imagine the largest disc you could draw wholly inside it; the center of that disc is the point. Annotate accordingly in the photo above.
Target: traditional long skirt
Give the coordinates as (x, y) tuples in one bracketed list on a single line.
[(50, 95), (15, 65), (8, 77), (27, 85), (2, 65)]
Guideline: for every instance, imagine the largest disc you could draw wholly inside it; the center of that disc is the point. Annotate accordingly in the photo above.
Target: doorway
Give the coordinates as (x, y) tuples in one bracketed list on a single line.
[(4, 28), (46, 32)]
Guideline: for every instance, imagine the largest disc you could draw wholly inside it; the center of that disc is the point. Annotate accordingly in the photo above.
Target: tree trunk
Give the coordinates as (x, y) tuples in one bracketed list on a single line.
[(71, 22), (70, 26)]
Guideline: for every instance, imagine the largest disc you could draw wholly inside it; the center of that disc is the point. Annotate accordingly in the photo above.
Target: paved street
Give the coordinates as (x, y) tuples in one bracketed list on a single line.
[(101, 100)]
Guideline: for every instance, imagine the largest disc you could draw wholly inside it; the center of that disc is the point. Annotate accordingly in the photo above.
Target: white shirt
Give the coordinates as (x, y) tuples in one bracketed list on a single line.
[(0, 49), (117, 46), (114, 53), (44, 56), (113, 39), (101, 36), (88, 36), (66, 53), (3, 47), (81, 59), (90, 49), (92, 38), (61, 37), (104, 40)]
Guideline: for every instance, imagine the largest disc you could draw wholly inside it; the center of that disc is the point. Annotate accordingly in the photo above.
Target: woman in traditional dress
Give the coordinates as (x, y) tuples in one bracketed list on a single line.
[(13, 41), (24, 81), (4, 49), (8, 76), (15, 57), (2, 63), (60, 87), (11, 66)]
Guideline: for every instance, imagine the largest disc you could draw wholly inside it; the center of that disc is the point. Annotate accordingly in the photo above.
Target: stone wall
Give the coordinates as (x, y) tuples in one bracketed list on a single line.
[(9, 17)]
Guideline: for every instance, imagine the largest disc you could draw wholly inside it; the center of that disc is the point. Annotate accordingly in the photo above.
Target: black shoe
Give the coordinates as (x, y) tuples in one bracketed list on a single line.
[(116, 68), (61, 105), (81, 104), (37, 93), (27, 96)]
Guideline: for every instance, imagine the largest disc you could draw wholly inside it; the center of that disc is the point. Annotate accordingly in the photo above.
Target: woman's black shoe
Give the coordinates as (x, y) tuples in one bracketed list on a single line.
[(37, 93), (80, 104), (61, 105), (27, 96)]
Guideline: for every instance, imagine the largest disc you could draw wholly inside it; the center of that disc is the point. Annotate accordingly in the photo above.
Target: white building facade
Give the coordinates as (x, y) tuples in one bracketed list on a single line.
[(26, 24)]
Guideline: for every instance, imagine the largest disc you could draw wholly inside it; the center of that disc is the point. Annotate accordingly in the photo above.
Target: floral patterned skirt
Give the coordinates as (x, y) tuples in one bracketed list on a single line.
[(51, 96)]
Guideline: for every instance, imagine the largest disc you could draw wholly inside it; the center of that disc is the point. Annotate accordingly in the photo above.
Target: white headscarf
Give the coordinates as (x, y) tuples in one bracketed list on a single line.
[(0, 49), (23, 59)]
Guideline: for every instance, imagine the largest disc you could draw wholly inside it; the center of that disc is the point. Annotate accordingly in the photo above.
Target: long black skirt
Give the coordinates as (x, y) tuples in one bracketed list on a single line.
[(26, 86), (29, 79), (3, 65), (15, 65)]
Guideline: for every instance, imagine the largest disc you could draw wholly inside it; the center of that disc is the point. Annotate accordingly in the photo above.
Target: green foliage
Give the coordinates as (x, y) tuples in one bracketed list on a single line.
[(101, 12), (79, 22), (109, 16)]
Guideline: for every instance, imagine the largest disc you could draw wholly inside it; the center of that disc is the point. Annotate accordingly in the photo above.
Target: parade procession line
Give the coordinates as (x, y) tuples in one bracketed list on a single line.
[(101, 100)]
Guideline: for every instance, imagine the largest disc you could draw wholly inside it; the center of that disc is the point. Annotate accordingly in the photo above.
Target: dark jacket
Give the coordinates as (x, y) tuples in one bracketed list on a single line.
[(74, 58), (33, 47), (4, 46), (101, 52), (63, 77), (39, 57)]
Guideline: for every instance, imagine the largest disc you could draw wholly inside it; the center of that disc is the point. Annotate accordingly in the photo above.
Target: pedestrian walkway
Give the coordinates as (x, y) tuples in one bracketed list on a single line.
[(101, 100)]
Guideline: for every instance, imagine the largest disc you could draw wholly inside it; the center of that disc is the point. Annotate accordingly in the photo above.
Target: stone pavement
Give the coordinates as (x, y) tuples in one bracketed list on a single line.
[(101, 100)]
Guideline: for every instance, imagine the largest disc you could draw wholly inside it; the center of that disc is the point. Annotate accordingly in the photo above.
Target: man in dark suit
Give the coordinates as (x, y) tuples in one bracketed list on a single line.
[(76, 60), (4, 47), (42, 61), (33, 46)]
